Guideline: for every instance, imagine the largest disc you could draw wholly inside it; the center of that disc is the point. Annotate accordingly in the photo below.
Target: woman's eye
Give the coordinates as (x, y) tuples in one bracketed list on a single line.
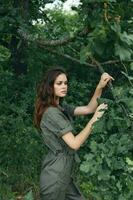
[(59, 83)]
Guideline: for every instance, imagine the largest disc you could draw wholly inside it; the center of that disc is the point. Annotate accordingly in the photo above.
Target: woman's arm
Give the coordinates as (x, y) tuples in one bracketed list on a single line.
[(92, 105), (76, 141)]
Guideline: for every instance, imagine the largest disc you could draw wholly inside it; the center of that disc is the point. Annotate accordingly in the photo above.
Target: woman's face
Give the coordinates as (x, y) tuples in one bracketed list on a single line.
[(60, 86)]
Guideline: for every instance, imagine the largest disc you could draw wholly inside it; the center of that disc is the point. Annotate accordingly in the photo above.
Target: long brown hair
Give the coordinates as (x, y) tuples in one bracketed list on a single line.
[(45, 94)]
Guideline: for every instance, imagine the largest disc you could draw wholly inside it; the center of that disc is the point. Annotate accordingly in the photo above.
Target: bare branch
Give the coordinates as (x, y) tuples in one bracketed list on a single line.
[(97, 64), (69, 57), (110, 62), (114, 62)]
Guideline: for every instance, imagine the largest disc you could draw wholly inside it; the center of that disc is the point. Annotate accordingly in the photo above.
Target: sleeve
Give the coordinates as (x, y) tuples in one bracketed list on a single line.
[(55, 122)]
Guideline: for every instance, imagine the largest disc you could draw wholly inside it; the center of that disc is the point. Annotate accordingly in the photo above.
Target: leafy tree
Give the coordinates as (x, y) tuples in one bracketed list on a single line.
[(95, 37)]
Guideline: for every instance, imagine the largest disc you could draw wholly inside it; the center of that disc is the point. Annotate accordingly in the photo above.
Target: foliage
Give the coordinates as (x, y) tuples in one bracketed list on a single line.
[(4, 54), (28, 196), (19, 139), (108, 164), (96, 31)]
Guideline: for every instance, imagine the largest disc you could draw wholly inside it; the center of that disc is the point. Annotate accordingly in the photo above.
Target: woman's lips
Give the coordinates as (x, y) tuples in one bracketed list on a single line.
[(64, 92)]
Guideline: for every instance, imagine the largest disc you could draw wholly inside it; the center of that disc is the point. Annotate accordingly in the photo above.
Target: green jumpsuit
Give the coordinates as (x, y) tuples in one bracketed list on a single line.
[(56, 179)]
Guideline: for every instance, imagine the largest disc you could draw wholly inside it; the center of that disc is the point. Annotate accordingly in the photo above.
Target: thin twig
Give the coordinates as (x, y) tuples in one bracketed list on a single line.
[(127, 74)]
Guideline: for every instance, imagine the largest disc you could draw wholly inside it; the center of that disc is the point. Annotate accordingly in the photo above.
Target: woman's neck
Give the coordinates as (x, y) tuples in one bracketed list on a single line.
[(57, 100)]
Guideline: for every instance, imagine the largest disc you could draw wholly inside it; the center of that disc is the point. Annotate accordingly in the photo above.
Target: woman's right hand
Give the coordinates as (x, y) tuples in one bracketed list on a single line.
[(99, 112)]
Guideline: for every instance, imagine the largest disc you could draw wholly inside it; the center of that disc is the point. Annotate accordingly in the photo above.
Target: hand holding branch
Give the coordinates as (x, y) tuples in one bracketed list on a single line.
[(105, 78)]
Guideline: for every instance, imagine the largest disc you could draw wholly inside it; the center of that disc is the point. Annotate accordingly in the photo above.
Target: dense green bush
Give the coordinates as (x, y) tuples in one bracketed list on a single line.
[(106, 156), (108, 165), (21, 147), (96, 36)]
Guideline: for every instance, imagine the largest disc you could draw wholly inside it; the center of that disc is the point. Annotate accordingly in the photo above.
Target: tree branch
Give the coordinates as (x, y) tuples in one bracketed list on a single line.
[(97, 64), (68, 57), (59, 42)]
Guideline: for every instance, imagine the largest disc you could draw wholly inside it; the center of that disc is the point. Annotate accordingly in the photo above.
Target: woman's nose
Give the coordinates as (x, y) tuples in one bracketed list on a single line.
[(64, 86)]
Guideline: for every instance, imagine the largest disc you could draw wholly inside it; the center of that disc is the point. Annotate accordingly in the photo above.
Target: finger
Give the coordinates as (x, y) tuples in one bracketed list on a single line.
[(105, 105), (108, 79), (106, 75), (112, 78)]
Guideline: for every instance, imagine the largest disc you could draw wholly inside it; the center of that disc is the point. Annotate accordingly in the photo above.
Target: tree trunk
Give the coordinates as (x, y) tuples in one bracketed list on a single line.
[(17, 45)]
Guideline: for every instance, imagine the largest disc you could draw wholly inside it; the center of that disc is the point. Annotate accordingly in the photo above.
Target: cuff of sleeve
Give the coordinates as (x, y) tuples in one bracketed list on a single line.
[(64, 131)]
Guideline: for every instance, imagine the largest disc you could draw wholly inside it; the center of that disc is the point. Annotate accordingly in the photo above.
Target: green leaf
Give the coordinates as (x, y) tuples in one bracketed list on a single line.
[(29, 196), (129, 162), (84, 167), (131, 66), (4, 54), (116, 28), (99, 126), (104, 100), (99, 48), (122, 52), (127, 76), (119, 186), (129, 182), (131, 91), (93, 146), (104, 175), (128, 39), (121, 197), (96, 195), (84, 54)]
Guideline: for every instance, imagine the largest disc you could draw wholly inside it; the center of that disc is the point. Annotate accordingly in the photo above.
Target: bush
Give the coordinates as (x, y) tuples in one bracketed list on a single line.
[(21, 148), (108, 165)]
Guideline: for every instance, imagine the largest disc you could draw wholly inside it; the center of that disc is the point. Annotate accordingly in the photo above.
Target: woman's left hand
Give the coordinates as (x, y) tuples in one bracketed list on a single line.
[(105, 78)]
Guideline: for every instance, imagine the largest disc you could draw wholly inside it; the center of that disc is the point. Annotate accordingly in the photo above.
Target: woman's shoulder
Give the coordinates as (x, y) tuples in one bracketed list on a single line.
[(51, 111), (49, 114)]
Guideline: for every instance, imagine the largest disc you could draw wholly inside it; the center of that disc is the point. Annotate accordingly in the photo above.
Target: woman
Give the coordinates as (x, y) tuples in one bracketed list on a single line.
[(55, 121)]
